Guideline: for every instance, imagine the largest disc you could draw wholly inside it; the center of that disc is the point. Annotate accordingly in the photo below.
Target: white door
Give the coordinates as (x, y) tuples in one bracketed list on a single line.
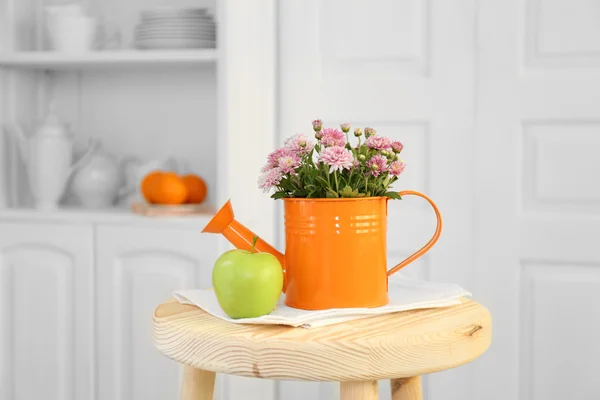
[(538, 196), (137, 269), (45, 312), (405, 68)]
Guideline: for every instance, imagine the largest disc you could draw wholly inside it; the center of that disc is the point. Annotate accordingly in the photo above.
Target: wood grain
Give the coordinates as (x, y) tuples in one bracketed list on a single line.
[(407, 389), (398, 345), (197, 384), (155, 210), (359, 390)]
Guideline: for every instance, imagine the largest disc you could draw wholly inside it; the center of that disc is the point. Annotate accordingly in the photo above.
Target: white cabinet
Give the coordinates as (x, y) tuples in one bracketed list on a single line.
[(76, 304), (45, 311), (138, 268)]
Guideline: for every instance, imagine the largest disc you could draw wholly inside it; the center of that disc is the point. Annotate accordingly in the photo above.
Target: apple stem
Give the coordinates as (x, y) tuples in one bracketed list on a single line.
[(254, 240)]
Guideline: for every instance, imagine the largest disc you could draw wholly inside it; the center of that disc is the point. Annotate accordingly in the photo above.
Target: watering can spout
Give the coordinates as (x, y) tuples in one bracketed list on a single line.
[(224, 222), (221, 220)]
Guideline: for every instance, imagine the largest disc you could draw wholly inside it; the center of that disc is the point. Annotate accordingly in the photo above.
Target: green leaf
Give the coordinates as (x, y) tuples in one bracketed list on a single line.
[(348, 192), (278, 195), (393, 195), (331, 195), (332, 192), (322, 181)]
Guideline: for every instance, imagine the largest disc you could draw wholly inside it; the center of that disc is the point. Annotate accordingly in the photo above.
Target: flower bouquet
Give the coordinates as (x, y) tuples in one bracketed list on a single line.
[(333, 166)]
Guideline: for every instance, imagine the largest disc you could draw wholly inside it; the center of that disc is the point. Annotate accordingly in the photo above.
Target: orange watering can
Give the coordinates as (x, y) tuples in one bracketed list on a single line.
[(335, 249)]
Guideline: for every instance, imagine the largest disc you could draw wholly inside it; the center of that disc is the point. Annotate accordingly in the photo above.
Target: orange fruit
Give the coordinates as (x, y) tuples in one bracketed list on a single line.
[(196, 188), (148, 185), (169, 189)]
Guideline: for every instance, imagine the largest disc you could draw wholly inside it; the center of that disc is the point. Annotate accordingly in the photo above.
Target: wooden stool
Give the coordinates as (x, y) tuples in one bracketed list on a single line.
[(401, 346)]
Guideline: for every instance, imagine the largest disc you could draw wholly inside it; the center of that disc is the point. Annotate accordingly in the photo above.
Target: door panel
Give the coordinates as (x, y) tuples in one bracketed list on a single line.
[(538, 261), (545, 357), (139, 268), (45, 312)]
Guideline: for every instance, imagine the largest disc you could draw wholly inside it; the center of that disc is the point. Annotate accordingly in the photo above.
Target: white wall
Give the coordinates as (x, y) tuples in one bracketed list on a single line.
[(152, 114)]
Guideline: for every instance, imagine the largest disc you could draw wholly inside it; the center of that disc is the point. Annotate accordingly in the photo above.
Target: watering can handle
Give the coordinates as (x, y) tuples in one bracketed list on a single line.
[(428, 245)]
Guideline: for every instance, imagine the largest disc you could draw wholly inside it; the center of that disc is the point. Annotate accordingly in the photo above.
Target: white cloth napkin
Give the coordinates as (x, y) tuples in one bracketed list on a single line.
[(404, 293)]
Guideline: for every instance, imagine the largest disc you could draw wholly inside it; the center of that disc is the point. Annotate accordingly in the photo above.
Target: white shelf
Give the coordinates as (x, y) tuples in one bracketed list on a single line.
[(107, 59), (112, 216)]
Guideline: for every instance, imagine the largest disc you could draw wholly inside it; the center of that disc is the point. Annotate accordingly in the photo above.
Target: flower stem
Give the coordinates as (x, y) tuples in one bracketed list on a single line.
[(300, 184), (327, 175), (337, 189), (390, 181)]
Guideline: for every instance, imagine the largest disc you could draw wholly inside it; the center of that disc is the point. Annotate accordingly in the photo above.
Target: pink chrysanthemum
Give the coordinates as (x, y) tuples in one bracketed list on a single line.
[(299, 144), (269, 179), (337, 157), (275, 156), (288, 164), (397, 147), (377, 165), (333, 137), (396, 168), (379, 143)]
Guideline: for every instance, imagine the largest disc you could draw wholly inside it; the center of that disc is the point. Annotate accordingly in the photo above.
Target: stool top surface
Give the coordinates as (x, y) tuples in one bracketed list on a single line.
[(404, 344)]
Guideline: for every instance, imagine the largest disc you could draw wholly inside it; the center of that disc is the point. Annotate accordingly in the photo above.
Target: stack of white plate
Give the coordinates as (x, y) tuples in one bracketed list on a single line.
[(175, 28)]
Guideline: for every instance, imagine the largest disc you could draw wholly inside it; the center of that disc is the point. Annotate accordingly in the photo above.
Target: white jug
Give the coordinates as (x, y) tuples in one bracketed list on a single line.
[(47, 155)]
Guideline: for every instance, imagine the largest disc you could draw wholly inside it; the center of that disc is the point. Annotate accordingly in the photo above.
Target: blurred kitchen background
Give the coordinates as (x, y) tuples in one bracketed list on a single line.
[(497, 103)]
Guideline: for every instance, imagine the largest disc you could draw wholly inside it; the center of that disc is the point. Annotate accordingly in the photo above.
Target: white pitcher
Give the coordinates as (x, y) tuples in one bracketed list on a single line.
[(47, 155)]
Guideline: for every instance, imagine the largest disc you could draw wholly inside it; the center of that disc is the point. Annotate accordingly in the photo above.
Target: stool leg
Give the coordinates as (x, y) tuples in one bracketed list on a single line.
[(359, 390), (197, 384), (407, 389)]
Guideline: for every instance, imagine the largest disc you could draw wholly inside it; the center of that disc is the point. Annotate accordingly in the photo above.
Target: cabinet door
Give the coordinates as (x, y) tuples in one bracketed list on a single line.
[(45, 311), (138, 268)]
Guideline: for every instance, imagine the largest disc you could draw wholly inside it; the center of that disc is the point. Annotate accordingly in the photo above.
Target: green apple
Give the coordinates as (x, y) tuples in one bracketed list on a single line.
[(247, 284)]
